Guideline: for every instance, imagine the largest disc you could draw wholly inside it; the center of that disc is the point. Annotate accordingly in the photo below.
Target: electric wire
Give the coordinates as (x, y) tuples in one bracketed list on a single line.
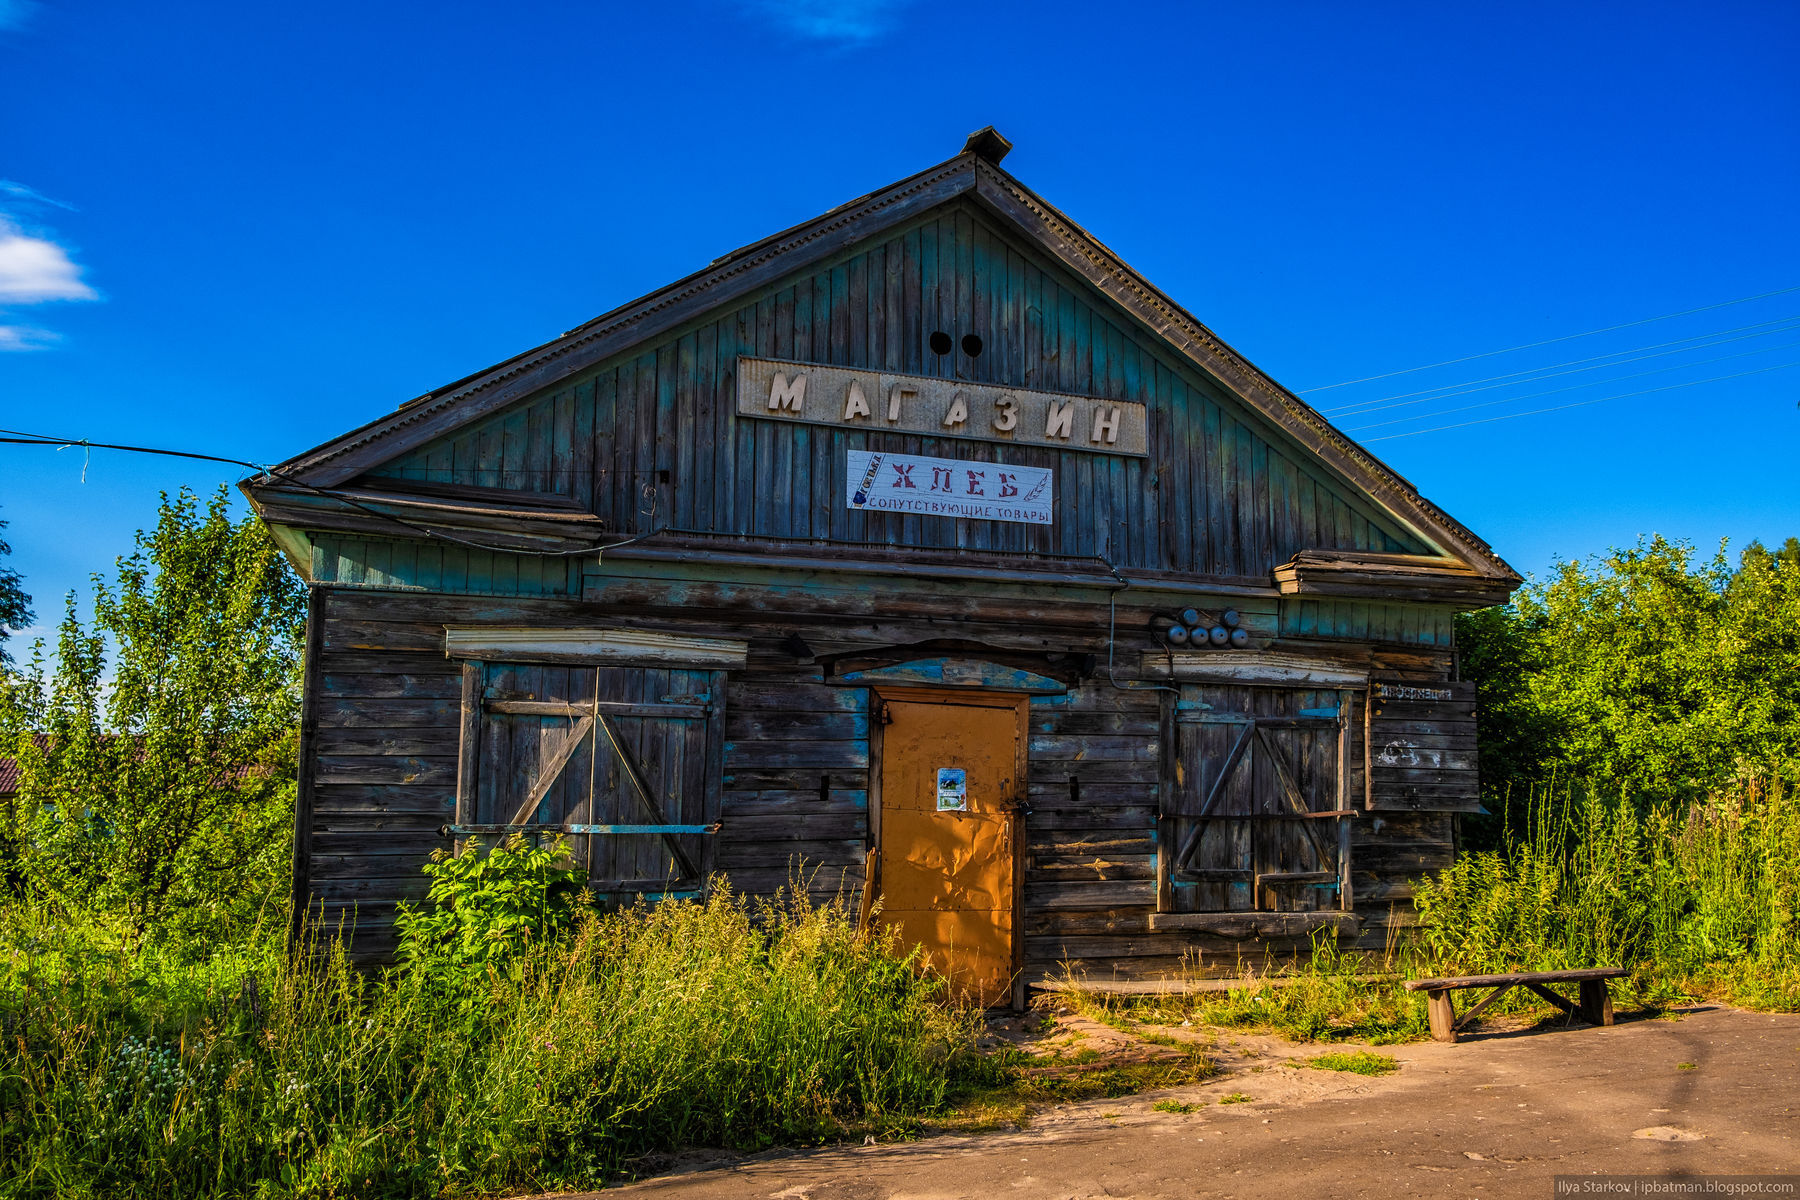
[(19, 437), (1448, 362), (1388, 437), (1450, 390), (1574, 387)]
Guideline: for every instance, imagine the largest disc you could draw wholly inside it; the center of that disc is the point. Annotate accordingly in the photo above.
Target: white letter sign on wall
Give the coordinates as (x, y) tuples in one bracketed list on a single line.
[(848, 398), (947, 487)]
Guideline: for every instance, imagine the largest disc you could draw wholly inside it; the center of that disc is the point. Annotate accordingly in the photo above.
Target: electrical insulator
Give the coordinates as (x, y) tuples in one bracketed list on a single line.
[(1240, 638), (1229, 618), (1177, 635), (1190, 617), (1218, 635)]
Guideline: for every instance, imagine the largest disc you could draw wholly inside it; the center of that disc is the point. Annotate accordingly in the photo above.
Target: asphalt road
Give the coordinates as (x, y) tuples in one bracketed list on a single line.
[(1494, 1116)]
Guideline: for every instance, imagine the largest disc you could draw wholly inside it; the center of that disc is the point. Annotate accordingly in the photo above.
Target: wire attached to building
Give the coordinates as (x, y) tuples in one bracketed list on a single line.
[(1112, 632), (18, 437)]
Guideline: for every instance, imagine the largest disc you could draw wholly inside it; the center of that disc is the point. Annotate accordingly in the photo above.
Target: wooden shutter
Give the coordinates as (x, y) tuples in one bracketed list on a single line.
[(626, 761), (1420, 747), (1256, 818)]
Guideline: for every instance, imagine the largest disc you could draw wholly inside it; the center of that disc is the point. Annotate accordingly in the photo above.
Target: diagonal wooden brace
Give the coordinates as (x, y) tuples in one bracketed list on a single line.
[(541, 786), (1567, 1008), (676, 850), (1198, 829), (1290, 791)]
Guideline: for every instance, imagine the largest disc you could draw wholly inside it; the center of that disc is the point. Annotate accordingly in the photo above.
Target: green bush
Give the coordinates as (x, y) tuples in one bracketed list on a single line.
[(1699, 897), (484, 908), (1650, 672)]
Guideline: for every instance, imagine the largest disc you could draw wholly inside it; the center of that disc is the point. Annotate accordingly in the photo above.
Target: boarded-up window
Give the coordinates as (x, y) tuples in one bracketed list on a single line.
[(623, 760), (1421, 747), (1256, 817)]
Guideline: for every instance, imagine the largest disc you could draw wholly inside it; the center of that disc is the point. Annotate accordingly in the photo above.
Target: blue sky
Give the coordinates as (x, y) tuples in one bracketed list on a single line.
[(242, 229)]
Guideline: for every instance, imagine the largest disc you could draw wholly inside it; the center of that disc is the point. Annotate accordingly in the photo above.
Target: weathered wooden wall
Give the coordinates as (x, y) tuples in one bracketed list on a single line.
[(652, 442), (797, 780)]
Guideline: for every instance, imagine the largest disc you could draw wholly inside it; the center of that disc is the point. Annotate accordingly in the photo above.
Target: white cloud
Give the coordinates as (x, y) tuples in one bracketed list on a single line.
[(26, 337), (35, 269), (846, 22), (19, 191)]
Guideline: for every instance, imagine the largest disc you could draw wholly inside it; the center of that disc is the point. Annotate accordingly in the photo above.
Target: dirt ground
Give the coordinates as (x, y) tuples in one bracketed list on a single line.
[(1496, 1115)]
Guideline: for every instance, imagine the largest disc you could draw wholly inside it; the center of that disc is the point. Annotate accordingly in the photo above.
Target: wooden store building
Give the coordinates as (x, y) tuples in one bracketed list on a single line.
[(923, 547)]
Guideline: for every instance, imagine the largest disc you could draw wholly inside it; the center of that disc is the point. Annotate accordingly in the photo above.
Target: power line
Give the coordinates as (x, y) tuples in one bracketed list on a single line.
[(1574, 387), (1388, 437), (21, 438), (1448, 362), (1448, 390)]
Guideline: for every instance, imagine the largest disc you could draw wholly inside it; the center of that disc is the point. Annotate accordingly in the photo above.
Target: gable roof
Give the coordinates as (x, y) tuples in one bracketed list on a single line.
[(975, 174)]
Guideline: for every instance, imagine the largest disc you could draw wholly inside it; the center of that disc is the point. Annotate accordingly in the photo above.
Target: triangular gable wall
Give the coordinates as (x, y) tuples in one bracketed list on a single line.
[(1244, 475), (1222, 494)]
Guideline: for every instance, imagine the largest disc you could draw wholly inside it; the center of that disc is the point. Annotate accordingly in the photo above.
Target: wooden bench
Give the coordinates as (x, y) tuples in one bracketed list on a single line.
[(1594, 1005)]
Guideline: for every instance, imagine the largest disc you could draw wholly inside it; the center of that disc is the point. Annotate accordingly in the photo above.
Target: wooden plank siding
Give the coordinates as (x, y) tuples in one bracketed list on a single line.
[(797, 778), (652, 441)]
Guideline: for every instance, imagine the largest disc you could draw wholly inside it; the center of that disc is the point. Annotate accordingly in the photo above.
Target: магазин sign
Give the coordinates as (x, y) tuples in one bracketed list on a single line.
[(850, 398)]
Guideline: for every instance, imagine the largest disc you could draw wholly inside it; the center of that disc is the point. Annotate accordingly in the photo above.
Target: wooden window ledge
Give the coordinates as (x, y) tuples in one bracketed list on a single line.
[(1257, 924)]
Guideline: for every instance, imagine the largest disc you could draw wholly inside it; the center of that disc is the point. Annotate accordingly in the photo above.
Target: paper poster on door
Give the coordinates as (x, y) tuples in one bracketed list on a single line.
[(953, 789)]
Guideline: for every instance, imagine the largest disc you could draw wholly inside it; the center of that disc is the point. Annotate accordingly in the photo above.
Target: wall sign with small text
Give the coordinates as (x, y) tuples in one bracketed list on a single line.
[(847, 398), (947, 487)]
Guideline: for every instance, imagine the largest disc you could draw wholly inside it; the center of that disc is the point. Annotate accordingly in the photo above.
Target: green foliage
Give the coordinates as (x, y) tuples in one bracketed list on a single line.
[(485, 908), (163, 778), (1646, 673), (15, 605), (1362, 1062), (1700, 897), (126, 1074)]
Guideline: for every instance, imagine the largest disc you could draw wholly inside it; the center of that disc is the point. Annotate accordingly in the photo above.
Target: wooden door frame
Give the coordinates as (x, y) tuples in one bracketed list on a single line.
[(1014, 803)]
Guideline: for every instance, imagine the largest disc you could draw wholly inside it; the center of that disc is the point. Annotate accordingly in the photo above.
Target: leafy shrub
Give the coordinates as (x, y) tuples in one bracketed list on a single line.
[(484, 908)]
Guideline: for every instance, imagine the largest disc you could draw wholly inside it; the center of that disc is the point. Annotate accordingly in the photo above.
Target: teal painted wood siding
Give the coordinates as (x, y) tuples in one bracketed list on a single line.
[(1368, 621), (441, 567), (652, 441)]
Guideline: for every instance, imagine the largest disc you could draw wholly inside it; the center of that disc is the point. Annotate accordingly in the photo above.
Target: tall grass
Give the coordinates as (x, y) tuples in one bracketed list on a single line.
[(1702, 900), (709, 1023)]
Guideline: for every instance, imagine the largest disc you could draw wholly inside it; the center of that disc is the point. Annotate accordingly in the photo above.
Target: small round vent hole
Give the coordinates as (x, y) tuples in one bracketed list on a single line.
[(940, 342), (972, 345)]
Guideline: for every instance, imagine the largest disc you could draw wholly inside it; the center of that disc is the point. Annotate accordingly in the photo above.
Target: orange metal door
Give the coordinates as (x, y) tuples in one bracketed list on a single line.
[(947, 872)]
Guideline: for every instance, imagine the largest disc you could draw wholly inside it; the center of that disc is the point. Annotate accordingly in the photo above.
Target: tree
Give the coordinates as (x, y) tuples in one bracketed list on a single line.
[(15, 605), (1647, 672), (160, 794)]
